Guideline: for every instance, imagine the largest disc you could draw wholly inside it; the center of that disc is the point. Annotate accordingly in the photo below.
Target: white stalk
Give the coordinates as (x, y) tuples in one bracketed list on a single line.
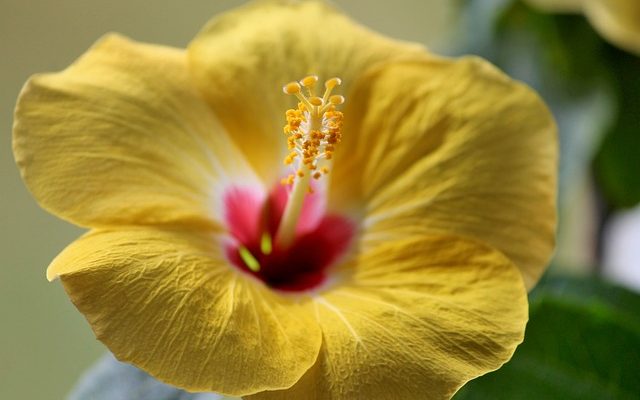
[(289, 222)]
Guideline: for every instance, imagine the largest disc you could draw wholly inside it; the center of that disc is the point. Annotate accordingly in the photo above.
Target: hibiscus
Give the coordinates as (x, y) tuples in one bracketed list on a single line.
[(387, 257), (618, 21)]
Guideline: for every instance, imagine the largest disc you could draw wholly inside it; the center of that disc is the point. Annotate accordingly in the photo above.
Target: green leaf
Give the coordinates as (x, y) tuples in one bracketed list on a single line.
[(591, 292), (582, 342), (110, 379)]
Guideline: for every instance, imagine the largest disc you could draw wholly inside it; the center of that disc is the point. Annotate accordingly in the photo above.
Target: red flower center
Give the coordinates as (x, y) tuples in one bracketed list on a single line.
[(253, 219)]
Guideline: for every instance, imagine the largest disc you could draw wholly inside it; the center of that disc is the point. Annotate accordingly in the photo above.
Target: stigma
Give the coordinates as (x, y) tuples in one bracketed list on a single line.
[(313, 129)]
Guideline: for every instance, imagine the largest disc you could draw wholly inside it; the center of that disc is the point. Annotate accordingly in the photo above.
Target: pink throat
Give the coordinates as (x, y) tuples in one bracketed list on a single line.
[(320, 238)]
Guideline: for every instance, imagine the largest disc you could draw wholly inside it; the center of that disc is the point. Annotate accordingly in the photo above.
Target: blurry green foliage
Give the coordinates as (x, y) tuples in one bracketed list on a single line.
[(582, 342), (567, 42), (617, 163), (554, 55), (577, 58), (592, 87)]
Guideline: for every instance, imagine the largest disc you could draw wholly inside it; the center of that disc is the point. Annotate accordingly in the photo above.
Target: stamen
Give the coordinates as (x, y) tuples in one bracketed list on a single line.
[(313, 130), (249, 259), (309, 82), (328, 87)]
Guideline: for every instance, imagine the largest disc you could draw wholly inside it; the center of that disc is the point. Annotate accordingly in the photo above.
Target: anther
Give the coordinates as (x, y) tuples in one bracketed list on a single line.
[(329, 85), (313, 129)]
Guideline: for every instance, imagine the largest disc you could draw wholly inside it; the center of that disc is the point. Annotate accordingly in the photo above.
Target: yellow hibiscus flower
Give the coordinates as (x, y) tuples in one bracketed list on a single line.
[(618, 21), (401, 276)]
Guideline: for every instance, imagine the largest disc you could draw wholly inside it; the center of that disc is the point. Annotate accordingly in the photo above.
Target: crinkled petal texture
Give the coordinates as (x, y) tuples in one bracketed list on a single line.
[(419, 317), (452, 146), (242, 58), (122, 136), (168, 302)]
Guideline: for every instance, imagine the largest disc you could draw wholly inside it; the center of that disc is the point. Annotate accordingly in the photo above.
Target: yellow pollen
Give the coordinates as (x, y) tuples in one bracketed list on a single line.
[(313, 130), (288, 180)]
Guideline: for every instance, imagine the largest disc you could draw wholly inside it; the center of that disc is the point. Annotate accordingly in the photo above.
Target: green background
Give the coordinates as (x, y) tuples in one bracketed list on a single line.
[(45, 344)]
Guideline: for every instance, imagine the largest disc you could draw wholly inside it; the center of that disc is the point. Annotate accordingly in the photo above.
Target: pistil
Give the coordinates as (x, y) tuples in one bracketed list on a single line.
[(313, 130)]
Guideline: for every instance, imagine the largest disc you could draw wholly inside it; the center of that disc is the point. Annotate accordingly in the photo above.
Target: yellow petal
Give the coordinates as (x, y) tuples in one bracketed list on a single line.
[(169, 303), (419, 318), (617, 20), (121, 136), (451, 146), (241, 60)]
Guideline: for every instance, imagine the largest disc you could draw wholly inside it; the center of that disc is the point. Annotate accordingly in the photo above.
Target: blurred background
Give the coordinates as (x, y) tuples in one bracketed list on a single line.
[(588, 75)]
